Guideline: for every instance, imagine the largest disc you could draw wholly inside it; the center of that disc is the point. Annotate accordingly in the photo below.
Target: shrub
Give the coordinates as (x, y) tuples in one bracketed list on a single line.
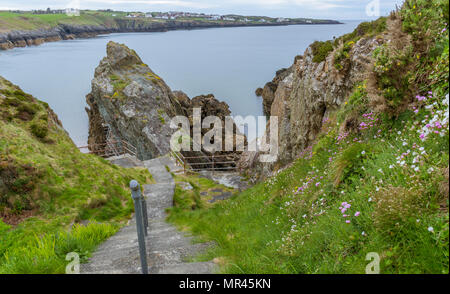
[(350, 162), (356, 104), (320, 50), (392, 70), (343, 54), (12, 101), (39, 129), (22, 95), (363, 29), (27, 111), (396, 206)]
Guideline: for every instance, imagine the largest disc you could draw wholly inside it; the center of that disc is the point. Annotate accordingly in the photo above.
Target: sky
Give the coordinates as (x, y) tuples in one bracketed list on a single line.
[(330, 9)]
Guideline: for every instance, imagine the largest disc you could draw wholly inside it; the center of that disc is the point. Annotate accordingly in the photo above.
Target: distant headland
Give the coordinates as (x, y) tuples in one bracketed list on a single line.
[(25, 28)]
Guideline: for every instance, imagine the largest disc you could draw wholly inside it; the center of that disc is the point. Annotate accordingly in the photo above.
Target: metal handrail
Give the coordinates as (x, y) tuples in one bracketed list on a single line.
[(111, 148), (140, 209), (183, 160)]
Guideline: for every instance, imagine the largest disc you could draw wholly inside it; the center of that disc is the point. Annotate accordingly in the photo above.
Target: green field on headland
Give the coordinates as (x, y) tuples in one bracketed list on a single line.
[(10, 21)]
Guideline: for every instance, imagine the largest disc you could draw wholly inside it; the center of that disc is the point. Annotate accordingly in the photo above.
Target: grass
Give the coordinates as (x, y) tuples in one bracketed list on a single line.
[(363, 30), (47, 254), (48, 185), (28, 21), (371, 182), (275, 227), (320, 50), (203, 189)]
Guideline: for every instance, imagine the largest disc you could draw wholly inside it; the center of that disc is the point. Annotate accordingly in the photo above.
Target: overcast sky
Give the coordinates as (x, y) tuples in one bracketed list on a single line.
[(334, 9)]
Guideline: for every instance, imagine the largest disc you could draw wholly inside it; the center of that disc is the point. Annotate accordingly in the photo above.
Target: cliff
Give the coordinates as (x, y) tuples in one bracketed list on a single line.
[(304, 95)]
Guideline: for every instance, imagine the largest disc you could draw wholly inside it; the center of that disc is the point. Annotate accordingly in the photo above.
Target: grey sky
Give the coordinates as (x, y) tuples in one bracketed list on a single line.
[(334, 9)]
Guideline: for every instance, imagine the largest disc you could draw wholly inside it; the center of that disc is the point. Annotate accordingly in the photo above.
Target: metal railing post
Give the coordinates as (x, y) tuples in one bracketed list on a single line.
[(213, 164), (144, 214), (137, 199)]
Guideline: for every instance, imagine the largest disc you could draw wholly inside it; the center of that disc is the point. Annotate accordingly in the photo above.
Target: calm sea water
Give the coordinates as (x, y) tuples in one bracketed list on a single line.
[(227, 62)]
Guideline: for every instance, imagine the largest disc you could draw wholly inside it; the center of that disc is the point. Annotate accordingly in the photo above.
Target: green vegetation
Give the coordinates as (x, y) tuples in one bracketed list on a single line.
[(320, 50), (47, 254), (203, 189), (364, 29), (119, 84), (161, 114), (27, 21), (49, 188), (342, 54), (373, 181)]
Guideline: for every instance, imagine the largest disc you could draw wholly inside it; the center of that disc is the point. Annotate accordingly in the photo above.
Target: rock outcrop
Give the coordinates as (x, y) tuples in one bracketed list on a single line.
[(210, 106), (306, 93), (268, 92), (130, 102)]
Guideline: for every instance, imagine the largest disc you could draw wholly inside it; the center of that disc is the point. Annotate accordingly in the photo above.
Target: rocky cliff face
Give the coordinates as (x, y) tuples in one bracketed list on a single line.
[(268, 92), (13, 39), (130, 102), (303, 95)]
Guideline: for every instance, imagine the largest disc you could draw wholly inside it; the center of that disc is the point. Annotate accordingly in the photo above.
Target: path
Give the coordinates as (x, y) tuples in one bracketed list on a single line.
[(167, 249)]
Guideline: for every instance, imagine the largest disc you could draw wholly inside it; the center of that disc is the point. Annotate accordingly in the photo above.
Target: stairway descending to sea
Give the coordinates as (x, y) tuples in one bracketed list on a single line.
[(167, 248)]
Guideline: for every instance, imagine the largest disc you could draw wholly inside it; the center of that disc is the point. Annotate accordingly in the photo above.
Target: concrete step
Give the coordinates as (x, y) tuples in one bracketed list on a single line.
[(167, 248)]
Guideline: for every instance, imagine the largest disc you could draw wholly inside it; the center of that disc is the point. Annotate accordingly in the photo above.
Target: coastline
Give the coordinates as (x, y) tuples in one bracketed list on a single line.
[(24, 38)]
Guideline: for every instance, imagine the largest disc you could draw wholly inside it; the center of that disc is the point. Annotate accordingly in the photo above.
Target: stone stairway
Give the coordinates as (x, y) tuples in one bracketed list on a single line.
[(167, 248)]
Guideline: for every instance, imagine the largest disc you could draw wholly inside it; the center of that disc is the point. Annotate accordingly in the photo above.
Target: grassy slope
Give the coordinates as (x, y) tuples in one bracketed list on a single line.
[(203, 189), (393, 180), (43, 175), (12, 21)]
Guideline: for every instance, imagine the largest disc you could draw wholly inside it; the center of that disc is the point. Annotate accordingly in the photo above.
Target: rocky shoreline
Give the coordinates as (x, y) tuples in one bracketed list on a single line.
[(12, 39)]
